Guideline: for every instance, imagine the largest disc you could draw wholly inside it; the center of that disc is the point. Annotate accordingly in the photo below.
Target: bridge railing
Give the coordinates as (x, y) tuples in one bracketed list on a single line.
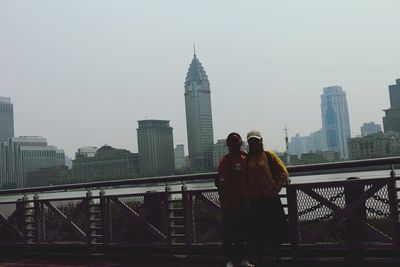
[(344, 214), (353, 213)]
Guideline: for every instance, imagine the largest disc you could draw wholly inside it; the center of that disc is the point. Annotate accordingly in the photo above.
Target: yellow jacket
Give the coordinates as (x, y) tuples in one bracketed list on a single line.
[(264, 175)]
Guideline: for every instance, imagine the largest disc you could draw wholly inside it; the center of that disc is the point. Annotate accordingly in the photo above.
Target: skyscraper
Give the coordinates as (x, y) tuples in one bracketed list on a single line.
[(370, 128), (156, 148), (6, 119), (391, 121), (179, 155), (219, 150), (199, 117), (335, 120)]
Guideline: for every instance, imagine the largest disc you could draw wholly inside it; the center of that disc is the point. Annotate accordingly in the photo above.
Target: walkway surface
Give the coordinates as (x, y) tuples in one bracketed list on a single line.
[(181, 262)]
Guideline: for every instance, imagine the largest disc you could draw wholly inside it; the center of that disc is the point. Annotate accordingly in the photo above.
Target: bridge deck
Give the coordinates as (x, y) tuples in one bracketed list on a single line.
[(203, 261)]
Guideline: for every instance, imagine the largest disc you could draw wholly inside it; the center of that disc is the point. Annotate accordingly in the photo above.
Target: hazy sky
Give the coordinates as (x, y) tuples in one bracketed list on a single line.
[(82, 73)]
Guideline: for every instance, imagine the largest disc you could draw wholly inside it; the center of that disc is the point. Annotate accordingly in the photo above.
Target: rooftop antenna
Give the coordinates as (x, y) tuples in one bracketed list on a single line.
[(287, 146)]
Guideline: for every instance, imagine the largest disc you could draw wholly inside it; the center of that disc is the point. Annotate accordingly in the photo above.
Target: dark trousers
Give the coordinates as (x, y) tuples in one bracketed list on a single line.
[(267, 225), (234, 236)]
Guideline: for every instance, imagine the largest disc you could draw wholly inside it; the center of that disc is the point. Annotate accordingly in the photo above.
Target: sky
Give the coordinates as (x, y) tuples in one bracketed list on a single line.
[(82, 73)]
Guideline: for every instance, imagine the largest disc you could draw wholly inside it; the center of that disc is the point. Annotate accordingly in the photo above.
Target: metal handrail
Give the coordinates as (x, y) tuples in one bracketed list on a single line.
[(311, 169)]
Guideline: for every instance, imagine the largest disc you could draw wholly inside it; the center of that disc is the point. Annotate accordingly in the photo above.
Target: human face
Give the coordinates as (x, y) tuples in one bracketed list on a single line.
[(234, 144), (255, 145)]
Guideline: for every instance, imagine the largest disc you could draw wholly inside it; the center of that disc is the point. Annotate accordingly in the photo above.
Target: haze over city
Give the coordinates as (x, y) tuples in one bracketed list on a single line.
[(83, 73)]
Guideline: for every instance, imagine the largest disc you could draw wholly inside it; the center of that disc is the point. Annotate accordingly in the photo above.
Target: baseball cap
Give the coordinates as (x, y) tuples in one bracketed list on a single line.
[(254, 134)]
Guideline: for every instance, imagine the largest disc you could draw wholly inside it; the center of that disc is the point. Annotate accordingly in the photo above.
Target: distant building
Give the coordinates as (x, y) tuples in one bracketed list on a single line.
[(378, 145), (156, 148), (86, 152), (245, 146), (107, 164), (219, 150), (28, 154), (68, 162), (199, 117), (38, 154), (335, 120), (315, 157), (370, 128), (179, 155), (11, 164), (391, 121), (45, 176), (6, 119), (305, 144)]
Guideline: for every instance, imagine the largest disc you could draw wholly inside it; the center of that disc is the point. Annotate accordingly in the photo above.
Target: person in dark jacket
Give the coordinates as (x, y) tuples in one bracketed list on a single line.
[(265, 175), (231, 195)]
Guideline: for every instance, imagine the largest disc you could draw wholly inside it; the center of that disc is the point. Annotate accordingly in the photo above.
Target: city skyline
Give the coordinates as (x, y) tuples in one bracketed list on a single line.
[(86, 81)]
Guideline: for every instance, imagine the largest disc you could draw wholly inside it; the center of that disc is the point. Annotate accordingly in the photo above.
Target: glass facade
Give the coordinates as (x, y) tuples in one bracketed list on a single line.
[(335, 120)]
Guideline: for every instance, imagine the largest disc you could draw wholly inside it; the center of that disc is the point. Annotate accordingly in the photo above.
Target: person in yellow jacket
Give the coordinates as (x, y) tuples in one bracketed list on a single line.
[(264, 176), (231, 196)]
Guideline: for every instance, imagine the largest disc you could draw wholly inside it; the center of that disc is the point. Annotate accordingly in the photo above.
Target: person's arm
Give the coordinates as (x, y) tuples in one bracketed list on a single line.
[(280, 172)]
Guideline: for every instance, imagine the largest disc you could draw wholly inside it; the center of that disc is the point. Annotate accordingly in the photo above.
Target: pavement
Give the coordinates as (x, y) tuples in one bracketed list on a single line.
[(168, 261)]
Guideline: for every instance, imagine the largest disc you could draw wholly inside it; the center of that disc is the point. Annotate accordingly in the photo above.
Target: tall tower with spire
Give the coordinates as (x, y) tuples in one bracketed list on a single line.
[(199, 116)]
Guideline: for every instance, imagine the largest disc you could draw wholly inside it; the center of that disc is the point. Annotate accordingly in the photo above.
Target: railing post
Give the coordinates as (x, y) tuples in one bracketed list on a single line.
[(186, 220), (20, 210), (88, 217), (94, 236), (169, 214), (105, 218), (29, 220), (189, 218), (392, 172), (293, 216), (38, 219), (394, 209), (355, 235)]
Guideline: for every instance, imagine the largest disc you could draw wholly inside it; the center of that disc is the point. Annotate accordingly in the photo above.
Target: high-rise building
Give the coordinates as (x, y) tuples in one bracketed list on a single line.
[(6, 119), (391, 121), (220, 149), (156, 148), (38, 154), (179, 155), (199, 117), (370, 128), (22, 155), (305, 144), (335, 120), (11, 165)]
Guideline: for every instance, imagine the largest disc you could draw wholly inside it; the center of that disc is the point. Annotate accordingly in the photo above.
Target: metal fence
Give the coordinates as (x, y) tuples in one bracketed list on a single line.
[(344, 214)]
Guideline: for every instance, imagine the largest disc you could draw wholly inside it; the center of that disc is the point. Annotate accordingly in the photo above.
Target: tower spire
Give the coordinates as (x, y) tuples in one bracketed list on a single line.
[(287, 159), (194, 49)]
